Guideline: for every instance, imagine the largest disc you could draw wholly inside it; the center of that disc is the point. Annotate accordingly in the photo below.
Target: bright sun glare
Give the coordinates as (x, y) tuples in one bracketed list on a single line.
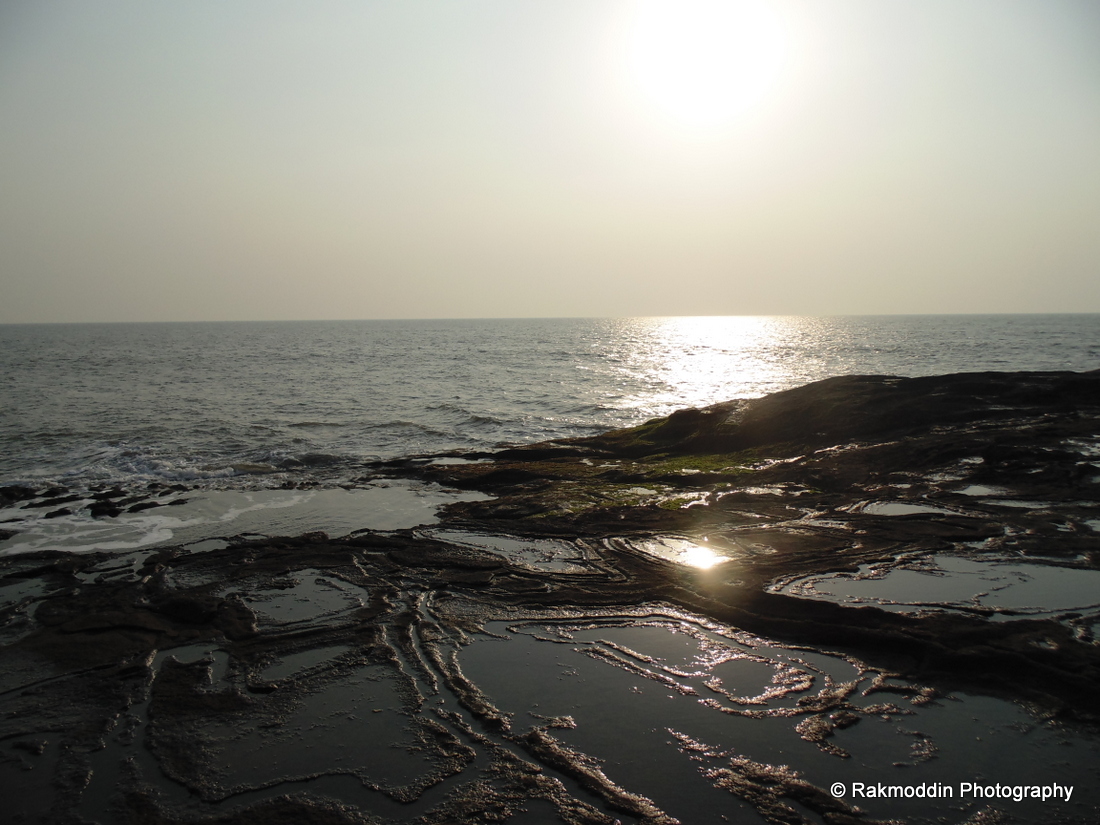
[(701, 557), (703, 63)]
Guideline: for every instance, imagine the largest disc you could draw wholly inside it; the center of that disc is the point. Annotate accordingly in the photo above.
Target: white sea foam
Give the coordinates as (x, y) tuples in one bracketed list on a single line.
[(214, 514)]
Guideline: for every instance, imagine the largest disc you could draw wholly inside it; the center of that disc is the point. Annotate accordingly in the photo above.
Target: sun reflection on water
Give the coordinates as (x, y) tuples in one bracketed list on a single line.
[(701, 557), (696, 361), (683, 551)]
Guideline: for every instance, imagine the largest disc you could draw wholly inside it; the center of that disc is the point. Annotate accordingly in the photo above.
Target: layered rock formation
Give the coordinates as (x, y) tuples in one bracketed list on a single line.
[(431, 675)]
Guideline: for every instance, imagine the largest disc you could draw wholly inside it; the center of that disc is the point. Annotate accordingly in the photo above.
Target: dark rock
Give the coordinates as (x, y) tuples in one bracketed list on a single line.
[(64, 511), (53, 501), (14, 492), (191, 609), (508, 477), (35, 747), (104, 508), (235, 620), (843, 719), (865, 407)]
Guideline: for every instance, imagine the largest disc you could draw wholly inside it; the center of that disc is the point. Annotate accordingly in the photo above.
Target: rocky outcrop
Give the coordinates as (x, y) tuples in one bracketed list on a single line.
[(284, 647)]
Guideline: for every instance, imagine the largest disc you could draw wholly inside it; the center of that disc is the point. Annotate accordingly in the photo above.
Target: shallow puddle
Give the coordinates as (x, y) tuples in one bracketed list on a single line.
[(666, 710), (186, 654), (1088, 448), (953, 581), (620, 693), (308, 596), (901, 508), (699, 554), (216, 514), (15, 592), (354, 726), (294, 663), (1019, 504), (982, 490)]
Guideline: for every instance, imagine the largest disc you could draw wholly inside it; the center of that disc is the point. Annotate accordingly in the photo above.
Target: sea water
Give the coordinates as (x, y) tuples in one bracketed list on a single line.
[(234, 414), (246, 405)]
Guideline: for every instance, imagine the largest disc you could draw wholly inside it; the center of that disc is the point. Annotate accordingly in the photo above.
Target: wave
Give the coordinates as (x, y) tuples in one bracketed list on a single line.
[(414, 426), (129, 464), (462, 415), (312, 460)]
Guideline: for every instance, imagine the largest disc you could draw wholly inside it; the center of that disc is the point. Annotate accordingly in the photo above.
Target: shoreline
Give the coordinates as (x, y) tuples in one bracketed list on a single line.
[(176, 685)]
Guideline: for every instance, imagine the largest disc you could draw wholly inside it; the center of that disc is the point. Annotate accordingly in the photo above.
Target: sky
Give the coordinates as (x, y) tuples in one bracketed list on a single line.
[(269, 160)]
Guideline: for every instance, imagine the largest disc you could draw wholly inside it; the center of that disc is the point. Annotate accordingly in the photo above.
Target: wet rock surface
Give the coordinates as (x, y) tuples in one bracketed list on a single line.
[(712, 617)]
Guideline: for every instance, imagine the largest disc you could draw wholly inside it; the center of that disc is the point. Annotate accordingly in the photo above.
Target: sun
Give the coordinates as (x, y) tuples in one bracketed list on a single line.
[(704, 63)]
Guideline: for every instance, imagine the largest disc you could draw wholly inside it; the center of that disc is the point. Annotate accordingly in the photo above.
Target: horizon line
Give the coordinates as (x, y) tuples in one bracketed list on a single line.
[(543, 318)]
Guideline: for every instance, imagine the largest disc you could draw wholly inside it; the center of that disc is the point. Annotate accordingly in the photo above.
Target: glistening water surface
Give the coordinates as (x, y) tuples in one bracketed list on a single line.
[(205, 514), (238, 404), (946, 581)]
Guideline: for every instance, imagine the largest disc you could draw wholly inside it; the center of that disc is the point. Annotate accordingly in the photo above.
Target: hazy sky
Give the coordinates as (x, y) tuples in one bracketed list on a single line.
[(211, 160)]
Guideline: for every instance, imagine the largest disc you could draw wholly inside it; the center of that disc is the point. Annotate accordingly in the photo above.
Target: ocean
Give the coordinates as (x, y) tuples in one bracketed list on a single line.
[(243, 408), (236, 405)]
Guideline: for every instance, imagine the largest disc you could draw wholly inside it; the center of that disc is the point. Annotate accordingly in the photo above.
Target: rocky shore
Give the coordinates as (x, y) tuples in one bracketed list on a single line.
[(561, 650)]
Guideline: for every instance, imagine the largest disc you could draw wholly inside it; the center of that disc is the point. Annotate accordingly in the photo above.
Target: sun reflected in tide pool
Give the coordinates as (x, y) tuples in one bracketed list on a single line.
[(701, 557), (682, 551)]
